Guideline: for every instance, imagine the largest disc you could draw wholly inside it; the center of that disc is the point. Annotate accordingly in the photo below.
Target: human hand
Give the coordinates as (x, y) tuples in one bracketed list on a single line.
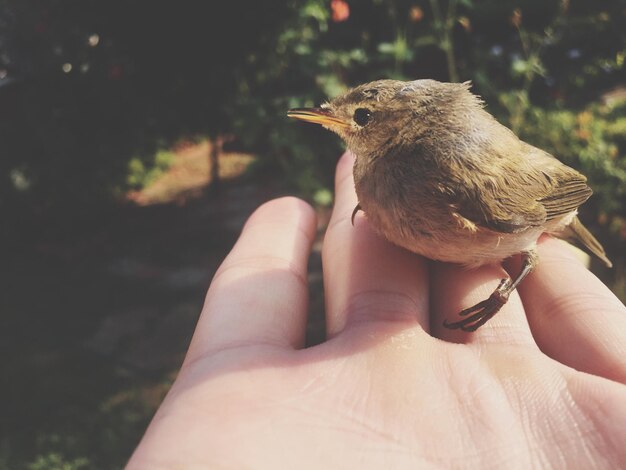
[(540, 385)]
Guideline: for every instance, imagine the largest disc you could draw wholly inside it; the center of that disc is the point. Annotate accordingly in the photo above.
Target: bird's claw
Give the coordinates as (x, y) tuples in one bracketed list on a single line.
[(480, 313), (356, 209)]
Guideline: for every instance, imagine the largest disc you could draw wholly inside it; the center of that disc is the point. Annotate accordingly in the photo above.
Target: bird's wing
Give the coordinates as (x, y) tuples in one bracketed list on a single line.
[(525, 195), (566, 196)]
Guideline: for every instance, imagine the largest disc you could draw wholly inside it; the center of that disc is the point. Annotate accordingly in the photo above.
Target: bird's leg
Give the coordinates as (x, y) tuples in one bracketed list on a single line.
[(480, 313), (357, 208)]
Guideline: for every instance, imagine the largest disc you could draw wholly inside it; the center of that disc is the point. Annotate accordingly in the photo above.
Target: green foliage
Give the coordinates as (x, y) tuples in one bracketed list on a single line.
[(528, 59), (323, 197), (72, 439), (592, 140), (89, 85), (143, 171), (178, 78), (56, 461)]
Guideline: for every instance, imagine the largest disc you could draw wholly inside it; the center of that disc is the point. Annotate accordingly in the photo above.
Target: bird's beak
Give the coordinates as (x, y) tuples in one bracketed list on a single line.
[(322, 116)]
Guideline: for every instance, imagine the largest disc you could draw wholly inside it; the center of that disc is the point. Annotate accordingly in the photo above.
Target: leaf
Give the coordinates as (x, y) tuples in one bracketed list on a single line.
[(425, 41), (323, 197), (302, 49), (386, 48), (520, 67)]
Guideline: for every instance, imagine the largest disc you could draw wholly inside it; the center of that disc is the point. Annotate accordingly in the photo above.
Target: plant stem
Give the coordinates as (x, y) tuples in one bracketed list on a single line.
[(445, 28), (451, 60), (532, 52), (449, 32)]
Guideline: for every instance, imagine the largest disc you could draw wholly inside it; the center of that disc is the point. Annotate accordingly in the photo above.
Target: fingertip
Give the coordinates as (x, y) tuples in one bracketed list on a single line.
[(288, 208), (285, 206), (259, 294), (574, 317), (552, 249), (560, 273), (344, 166)]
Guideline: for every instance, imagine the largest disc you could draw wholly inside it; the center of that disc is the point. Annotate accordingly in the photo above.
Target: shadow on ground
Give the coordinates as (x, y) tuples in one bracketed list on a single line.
[(95, 325)]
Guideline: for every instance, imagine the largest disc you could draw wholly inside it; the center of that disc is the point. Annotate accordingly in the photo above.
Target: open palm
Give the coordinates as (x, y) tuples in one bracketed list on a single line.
[(540, 385)]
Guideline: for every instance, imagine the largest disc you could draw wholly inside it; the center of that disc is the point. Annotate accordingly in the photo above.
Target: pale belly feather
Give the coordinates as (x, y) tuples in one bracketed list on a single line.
[(457, 242)]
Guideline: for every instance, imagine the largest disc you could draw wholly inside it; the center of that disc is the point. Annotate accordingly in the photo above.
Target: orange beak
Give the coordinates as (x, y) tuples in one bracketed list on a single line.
[(317, 115)]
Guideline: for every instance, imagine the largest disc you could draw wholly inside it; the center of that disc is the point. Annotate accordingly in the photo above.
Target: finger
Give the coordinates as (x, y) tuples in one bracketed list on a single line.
[(367, 278), (259, 293), (574, 317), (455, 288)]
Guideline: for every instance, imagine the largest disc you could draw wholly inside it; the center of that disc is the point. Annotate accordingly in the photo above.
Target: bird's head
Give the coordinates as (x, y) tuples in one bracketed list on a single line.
[(386, 114)]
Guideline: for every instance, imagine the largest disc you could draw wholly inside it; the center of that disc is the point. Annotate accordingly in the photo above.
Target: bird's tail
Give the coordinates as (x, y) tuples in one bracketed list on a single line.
[(577, 232)]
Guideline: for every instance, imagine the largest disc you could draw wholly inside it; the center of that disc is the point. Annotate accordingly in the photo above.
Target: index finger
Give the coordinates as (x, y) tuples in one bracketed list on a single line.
[(573, 316), (259, 293), (366, 278)]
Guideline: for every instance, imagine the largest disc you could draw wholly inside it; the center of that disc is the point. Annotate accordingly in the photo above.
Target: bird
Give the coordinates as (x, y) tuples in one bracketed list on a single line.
[(435, 173)]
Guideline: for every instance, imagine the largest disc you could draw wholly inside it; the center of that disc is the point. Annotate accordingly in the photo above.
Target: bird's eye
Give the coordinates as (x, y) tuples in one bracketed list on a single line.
[(362, 116)]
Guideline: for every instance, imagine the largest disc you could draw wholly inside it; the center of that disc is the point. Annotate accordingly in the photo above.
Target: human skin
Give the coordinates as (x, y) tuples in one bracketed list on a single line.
[(540, 385)]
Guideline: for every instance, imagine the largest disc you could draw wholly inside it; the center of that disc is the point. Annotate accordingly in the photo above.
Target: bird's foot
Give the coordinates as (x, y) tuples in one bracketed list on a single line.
[(480, 313)]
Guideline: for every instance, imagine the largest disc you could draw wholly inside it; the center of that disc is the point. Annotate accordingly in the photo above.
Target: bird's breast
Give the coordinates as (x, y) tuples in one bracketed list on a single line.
[(420, 219)]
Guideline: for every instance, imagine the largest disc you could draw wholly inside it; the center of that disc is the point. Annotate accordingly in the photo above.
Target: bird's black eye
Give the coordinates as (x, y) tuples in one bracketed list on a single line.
[(362, 116)]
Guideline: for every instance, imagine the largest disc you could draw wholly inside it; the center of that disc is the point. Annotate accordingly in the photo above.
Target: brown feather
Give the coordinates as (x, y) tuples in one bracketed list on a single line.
[(578, 233), (543, 189), (566, 197)]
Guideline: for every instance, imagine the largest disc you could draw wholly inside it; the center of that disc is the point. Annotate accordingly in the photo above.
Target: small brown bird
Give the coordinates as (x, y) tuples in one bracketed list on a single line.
[(437, 174)]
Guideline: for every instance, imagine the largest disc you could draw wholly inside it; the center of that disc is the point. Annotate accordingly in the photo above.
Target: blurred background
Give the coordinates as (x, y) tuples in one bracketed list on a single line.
[(136, 136)]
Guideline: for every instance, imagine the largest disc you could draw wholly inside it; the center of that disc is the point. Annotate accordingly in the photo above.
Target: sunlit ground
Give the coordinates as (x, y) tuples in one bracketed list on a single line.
[(190, 174)]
